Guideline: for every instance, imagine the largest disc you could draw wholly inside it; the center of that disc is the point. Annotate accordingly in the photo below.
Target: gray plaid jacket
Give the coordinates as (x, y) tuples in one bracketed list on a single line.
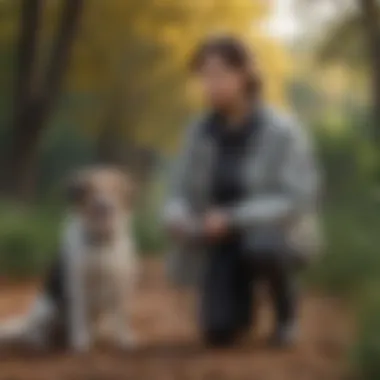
[(281, 178)]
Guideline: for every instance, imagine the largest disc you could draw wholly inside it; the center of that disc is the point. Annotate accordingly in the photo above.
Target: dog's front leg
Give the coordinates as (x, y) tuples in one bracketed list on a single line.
[(79, 332), (123, 333)]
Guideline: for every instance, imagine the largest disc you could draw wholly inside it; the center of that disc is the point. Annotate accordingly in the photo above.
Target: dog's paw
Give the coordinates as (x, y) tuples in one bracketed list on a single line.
[(37, 340), (80, 344), (127, 341)]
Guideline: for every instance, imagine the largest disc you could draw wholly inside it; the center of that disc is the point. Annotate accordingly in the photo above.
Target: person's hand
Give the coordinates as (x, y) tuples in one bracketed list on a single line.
[(215, 224)]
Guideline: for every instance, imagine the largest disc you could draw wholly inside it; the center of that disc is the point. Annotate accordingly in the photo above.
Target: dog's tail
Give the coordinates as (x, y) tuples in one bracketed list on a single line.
[(31, 327), (13, 330)]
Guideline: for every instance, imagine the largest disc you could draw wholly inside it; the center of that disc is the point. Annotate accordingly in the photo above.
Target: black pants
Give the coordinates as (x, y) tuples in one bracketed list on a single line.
[(227, 304)]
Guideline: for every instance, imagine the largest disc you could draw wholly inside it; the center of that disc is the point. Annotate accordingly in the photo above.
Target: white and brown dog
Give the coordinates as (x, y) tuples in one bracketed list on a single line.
[(89, 289)]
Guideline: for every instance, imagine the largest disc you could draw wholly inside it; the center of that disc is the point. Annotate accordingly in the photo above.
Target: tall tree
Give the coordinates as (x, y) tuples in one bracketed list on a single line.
[(355, 39), (144, 47), (36, 93), (371, 22)]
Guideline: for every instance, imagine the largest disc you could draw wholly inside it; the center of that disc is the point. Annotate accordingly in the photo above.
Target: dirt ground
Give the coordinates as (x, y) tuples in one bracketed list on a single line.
[(169, 348)]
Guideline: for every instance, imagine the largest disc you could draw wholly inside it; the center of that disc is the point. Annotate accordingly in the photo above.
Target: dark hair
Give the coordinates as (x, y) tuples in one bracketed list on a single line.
[(235, 54)]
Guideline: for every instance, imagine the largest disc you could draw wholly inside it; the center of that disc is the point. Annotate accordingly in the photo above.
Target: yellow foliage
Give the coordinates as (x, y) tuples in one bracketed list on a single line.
[(140, 49), (275, 65)]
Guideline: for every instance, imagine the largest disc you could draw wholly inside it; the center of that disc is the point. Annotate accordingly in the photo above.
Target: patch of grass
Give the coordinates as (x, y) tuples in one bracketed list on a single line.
[(28, 239), (365, 354)]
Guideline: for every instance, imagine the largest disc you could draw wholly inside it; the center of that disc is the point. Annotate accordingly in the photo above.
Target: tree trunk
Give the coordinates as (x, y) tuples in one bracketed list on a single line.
[(26, 56), (35, 101), (112, 140), (370, 12)]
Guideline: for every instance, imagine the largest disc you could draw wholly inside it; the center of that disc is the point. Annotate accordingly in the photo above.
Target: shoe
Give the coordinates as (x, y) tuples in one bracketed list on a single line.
[(285, 336), (219, 338)]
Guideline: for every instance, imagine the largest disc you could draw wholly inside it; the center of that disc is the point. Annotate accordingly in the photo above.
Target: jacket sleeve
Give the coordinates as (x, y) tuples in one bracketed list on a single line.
[(176, 208), (297, 186)]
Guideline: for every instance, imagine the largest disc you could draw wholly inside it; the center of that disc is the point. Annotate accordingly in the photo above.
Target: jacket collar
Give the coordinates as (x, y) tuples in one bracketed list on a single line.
[(215, 121)]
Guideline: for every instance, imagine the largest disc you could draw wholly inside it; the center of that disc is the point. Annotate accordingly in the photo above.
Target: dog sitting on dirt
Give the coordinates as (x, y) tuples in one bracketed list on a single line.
[(88, 291)]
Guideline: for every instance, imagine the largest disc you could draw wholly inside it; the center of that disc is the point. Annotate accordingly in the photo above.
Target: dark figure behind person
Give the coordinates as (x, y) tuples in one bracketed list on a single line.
[(246, 175)]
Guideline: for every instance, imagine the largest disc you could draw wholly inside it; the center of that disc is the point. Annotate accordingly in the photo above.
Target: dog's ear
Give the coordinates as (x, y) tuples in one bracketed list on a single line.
[(77, 188)]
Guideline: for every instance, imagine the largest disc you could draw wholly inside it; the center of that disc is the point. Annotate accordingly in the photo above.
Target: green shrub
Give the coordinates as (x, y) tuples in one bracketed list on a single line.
[(27, 241), (352, 241), (366, 349), (149, 234), (351, 215)]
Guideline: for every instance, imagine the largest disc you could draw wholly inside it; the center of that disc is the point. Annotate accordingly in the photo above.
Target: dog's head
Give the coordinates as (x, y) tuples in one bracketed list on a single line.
[(102, 197)]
